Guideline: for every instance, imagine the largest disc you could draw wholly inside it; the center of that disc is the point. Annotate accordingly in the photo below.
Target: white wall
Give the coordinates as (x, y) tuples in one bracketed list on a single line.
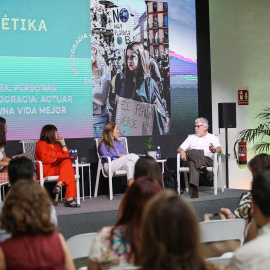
[(240, 59)]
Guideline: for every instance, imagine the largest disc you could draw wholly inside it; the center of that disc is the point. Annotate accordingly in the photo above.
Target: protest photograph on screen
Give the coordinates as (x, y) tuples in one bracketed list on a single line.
[(130, 49)]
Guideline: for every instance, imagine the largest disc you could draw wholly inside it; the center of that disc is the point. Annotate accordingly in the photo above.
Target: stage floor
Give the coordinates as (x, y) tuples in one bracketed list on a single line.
[(96, 213), (102, 203)]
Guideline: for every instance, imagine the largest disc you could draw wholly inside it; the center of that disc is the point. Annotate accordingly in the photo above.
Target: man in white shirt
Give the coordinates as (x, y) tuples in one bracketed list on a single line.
[(194, 158), (255, 253)]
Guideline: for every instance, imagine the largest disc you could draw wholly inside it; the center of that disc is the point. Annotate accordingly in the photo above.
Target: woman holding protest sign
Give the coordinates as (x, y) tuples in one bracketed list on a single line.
[(140, 86), (111, 147)]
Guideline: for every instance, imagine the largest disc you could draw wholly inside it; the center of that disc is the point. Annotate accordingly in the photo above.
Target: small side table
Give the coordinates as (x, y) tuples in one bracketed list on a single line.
[(82, 165), (162, 161)]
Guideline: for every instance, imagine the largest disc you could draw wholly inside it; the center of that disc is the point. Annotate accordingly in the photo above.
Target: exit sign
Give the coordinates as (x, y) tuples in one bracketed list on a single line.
[(242, 97)]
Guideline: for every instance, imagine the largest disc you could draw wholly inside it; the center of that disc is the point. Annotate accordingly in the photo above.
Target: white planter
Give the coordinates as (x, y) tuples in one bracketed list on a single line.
[(152, 154)]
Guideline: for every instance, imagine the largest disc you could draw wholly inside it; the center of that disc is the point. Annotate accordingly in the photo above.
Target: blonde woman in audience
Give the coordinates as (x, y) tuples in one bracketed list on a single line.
[(118, 245), (35, 243), (170, 236)]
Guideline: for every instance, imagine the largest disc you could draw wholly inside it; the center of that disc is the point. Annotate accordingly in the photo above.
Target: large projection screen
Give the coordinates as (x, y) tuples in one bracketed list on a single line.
[(60, 63)]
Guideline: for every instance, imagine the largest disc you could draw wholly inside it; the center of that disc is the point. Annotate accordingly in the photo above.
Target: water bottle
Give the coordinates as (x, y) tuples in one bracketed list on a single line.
[(158, 153), (71, 153), (75, 154)]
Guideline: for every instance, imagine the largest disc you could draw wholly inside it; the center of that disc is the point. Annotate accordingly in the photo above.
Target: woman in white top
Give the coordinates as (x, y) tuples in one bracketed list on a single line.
[(4, 160)]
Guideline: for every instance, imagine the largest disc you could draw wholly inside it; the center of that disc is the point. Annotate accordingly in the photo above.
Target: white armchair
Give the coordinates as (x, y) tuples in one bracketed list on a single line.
[(110, 174), (30, 146), (216, 170)]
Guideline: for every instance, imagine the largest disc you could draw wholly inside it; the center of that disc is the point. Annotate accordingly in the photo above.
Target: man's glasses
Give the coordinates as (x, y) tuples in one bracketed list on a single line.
[(198, 126)]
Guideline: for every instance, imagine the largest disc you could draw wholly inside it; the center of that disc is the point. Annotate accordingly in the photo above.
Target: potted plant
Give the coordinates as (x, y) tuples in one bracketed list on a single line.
[(149, 145), (259, 135)]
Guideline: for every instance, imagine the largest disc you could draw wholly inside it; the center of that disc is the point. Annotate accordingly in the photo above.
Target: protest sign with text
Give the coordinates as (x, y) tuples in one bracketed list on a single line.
[(134, 118)]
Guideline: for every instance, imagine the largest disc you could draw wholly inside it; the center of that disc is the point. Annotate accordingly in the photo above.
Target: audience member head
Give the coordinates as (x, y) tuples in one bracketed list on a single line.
[(48, 134), (3, 131), (148, 166), (259, 163), (170, 234), (133, 205), (261, 196), (20, 168), (27, 210)]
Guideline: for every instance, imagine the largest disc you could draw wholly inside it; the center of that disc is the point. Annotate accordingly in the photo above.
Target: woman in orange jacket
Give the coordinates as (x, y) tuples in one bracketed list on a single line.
[(56, 161)]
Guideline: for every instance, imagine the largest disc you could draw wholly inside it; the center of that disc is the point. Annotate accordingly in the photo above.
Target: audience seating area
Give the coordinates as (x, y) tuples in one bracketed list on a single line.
[(210, 231)]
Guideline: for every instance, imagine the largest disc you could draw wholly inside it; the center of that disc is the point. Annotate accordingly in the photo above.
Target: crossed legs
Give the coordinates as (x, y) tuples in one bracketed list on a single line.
[(197, 163)]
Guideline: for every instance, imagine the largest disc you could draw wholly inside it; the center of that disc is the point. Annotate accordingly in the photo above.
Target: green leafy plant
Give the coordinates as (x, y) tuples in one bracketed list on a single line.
[(261, 132), (149, 143)]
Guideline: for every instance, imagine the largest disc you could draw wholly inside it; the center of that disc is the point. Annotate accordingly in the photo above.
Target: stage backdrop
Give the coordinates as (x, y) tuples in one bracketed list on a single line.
[(65, 63)]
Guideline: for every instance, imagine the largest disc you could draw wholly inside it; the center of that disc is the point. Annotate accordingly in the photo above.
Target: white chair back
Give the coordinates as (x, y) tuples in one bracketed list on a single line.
[(29, 146), (79, 245), (222, 230)]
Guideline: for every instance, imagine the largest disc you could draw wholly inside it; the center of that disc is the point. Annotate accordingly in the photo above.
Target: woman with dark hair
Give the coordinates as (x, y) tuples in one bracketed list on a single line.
[(148, 166), (4, 160), (48, 152), (109, 146), (118, 245), (170, 238), (35, 242), (140, 86)]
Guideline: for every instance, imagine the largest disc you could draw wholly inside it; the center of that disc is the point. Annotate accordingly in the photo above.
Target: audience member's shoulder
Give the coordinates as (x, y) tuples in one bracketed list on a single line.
[(105, 230), (251, 253)]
